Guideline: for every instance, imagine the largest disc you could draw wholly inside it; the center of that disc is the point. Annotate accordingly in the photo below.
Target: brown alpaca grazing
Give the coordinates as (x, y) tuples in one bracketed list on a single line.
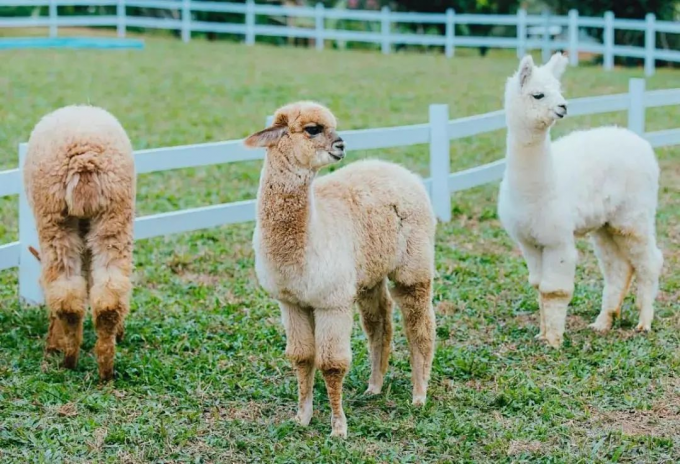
[(322, 245), (80, 181)]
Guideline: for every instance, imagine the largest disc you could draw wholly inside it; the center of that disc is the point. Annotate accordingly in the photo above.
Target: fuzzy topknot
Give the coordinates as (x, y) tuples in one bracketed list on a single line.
[(299, 114)]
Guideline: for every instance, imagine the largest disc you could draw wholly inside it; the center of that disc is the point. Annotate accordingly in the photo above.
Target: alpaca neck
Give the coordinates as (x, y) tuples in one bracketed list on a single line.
[(529, 162), (284, 209)]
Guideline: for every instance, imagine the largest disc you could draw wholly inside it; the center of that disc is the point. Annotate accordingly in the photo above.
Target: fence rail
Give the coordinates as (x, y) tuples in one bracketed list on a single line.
[(532, 31), (438, 133)]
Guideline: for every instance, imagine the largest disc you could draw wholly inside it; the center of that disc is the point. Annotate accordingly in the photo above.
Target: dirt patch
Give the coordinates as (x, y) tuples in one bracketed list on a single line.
[(523, 447), (248, 412), (657, 423), (68, 410), (661, 420)]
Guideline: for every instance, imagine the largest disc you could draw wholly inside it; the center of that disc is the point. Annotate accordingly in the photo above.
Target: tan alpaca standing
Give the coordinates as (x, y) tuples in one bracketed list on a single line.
[(80, 181), (323, 244)]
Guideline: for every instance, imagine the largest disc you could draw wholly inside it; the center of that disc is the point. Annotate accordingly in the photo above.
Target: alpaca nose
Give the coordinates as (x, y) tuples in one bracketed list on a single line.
[(338, 145), (564, 107)]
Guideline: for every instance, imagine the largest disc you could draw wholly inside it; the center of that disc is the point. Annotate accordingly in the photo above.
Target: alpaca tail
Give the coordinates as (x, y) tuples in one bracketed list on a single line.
[(84, 196), (35, 253)]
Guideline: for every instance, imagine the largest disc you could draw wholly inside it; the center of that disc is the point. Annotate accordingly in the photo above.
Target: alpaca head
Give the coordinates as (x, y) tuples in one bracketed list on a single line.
[(304, 133), (533, 98)]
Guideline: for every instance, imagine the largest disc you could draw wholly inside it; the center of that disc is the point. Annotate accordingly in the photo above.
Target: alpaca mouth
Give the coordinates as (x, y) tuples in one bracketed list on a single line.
[(560, 115), (337, 155)]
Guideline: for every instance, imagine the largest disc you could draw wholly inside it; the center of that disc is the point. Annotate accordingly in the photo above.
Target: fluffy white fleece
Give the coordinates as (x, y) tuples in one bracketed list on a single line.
[(602, 181)]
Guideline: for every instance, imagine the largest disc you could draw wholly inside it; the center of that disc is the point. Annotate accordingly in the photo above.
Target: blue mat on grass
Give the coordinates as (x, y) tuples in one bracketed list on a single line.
[(70, 42)]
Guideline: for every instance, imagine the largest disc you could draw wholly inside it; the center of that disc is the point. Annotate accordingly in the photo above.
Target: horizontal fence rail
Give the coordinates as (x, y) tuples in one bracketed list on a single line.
[(439, 132), (250, 20)]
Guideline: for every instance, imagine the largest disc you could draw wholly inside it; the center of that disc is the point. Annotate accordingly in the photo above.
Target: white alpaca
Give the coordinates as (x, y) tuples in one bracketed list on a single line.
[(602, 181)]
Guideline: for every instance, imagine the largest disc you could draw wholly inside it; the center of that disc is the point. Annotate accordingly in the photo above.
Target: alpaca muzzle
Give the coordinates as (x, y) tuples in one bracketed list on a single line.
[(338, 149)]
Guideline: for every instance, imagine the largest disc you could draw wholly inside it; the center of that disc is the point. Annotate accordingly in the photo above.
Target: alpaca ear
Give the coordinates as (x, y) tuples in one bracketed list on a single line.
[(526, 67), (265, 138), (557, 64)]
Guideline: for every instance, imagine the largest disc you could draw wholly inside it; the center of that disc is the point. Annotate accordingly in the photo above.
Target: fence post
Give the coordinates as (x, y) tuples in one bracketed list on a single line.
[(186, 20), (53, 18), (385, 29), (521, 32), (545, 43), (650, 44), (573, 37), (250, 22), (636, 106), (121, 12), (30, 292), (319, 15), (608, 61), (450, 48), (440, 162)]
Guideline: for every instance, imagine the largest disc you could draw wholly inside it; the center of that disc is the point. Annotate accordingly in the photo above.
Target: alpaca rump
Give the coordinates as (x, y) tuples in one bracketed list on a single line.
[(80, 181), (602, 182), (322, 245)]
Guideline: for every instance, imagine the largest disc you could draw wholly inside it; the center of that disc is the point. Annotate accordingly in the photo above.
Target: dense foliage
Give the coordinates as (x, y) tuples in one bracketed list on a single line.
[(663, 9), (463, 6)]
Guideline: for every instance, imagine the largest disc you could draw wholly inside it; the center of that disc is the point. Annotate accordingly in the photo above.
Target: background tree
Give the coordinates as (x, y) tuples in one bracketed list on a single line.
[(668, 10)]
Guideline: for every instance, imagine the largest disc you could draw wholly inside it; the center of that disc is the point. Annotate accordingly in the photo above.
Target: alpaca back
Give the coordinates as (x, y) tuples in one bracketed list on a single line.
[(79, 163), (605, 171), (387, 211)]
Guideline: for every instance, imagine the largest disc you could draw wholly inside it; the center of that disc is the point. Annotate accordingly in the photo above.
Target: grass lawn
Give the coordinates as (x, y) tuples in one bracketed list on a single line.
[(201, 375)]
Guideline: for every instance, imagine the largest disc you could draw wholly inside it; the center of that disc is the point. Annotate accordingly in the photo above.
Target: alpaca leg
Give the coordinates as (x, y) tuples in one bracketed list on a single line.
[(556, 289), (534, 259), (300, 349), (64, 287), (647, 262), (617, 273), (376, 306), (110, 242), (333, 329), (55, 335), (415, 301)]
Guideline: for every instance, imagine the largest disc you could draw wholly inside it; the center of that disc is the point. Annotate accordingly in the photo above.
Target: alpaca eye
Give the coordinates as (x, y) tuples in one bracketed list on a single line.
[(313, 130), (538, 96)]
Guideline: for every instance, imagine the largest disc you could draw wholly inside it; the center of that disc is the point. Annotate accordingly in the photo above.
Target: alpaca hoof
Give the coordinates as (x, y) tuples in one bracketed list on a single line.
[(339, 427), (303, 418), (643, 328), (540, 337), (70, 361), (106, 375), (601, 327), (419, 400), (554, 341), (339, 433), (373, 390)]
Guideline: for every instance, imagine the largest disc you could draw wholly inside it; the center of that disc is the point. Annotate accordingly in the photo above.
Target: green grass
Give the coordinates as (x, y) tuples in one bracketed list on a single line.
[(201, 375)]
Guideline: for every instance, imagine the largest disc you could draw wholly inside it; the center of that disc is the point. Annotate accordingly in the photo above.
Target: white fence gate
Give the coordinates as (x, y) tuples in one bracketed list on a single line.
[(438, 133), (384, 20)]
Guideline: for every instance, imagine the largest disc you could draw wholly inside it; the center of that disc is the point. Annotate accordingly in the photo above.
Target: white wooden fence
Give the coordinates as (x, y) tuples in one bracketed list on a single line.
[(438, 132), (384, 21)]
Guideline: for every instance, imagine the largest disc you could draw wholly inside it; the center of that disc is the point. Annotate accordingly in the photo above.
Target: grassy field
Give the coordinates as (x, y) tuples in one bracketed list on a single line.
[(201, 375)]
